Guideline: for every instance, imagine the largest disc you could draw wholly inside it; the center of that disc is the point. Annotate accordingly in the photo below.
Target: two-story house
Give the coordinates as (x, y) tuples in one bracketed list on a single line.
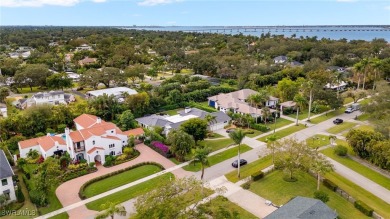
[(52, 97), (7, 187)]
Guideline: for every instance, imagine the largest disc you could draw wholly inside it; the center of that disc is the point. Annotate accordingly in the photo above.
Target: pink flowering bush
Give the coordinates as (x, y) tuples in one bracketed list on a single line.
[(160, 147)]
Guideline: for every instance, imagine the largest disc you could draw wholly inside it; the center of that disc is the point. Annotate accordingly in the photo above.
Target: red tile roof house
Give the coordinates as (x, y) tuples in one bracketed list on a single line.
[(92, 140)]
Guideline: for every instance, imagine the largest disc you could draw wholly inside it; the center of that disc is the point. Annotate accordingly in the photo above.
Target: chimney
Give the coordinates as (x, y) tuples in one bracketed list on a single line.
[(187, 110), (67, 131), (99, 120)]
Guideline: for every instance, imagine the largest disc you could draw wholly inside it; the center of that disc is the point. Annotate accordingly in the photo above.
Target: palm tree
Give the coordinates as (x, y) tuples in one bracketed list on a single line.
[(332, 139), (338, 78), (320, 165), (365, 65), (111, 209), (271, 145), (358, 69), (237, 136), (265, 113), (310, 86), (258, 100), (201, 155), (376, 65), (210, 119)]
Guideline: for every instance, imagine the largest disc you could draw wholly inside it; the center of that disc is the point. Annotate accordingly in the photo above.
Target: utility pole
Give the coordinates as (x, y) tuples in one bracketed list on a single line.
[(296, 123)]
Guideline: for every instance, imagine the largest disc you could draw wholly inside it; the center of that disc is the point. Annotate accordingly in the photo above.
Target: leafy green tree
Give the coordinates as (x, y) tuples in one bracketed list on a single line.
[(126, 120), (196, 127), (320, 165), (110, 209), (139, 103), (4, 92), (90, 78), (272, 146), (287, 89), (58, 81), (32, 75), (152, 73), (201, 155), (265, 114), (133, 72), (181, 143), (106, 107), (210, 119), (237, 136), (356, 95), (362, 140)]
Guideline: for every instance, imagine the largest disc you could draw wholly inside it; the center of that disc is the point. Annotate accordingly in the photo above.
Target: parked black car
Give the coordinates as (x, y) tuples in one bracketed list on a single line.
[(242, 163), (337, 121)]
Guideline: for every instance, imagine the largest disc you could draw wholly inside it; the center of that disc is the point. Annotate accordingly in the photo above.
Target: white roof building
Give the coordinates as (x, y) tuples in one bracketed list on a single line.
[(116, 91)]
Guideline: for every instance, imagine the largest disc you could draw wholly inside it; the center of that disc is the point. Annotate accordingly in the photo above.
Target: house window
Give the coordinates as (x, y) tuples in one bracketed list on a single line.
[(112, 153), (123, 142), (111, 145), (112, 131), (4, 182), (7, 196), (93, 142)]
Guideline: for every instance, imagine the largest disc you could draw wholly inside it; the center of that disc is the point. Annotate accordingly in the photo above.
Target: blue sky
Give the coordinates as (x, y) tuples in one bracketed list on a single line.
[(193, 12)]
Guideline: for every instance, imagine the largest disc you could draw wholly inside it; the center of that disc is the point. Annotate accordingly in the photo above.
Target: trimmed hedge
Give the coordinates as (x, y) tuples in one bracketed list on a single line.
[(341, 150), (86, 184), (363, 207), (330, 185), (260, 127), (257, 176)]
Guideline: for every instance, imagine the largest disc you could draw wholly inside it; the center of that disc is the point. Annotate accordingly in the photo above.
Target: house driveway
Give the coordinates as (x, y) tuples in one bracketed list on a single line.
[(67, 192)]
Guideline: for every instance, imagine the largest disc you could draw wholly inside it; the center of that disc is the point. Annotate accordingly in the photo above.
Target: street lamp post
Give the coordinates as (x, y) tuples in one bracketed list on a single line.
[(296, 123)]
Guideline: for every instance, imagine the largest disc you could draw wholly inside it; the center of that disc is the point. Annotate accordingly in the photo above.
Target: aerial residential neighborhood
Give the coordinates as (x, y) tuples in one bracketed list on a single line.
[(166, 109)]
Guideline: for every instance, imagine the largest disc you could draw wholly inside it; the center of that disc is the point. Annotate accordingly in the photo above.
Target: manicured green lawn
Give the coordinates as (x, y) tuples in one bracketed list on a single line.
[(250, 169), (363, 117), (380, 206), (28, 90), (55, 204), (255, 133), (283, 133), (220, 202), (302, 114), (345, 144), (341, 127), (365, 128), (215, 145), (275, 189), (217, 158), (120, 179), (215, 135), (348, 100), (280, 122), (186, 71), (318, 141), (359, 168), (365, 101), (131, 192), (327, 116)]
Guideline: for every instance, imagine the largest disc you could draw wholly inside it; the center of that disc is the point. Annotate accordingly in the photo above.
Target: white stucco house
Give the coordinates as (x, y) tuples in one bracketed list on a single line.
[(52, 98), (118, 92), (92, 140), (7, 187)]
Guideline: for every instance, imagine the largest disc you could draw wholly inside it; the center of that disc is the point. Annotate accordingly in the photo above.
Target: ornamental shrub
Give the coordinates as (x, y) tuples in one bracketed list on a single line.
[(331, 185), (257, 176), (340, 150), (363, 207), (160, 148), (321, 195)]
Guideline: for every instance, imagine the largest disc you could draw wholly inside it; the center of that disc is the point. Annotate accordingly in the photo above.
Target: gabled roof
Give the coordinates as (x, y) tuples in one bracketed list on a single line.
[(303, 208), (94, 149), (288, 104), (97, 129), (134, 132), (5, 168), (46, 142), (153, 120), (281, 58)]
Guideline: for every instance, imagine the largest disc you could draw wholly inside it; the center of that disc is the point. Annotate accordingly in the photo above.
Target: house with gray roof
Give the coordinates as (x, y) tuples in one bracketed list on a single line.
[(303, 208), (173, 122), (7, 185), (280, 59), (52, 98)]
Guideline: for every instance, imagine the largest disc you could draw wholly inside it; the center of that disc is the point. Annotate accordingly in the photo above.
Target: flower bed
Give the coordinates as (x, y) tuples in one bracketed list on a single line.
[(160, 148)]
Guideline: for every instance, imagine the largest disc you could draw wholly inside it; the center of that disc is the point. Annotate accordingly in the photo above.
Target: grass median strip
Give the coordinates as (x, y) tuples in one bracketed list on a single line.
[(215, 145), (250, 169), (275, 189), (217, 158), (131, 192), (341, 127), (380, 206), (327, 116), (359, 168), (318, 141), (120, 179), (283, 133)]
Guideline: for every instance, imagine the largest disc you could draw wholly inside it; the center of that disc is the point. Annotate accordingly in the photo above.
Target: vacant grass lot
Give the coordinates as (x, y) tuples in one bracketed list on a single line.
[(363, 117), (131, 192), (215, 145), (359, 168), (380, 206), (318, 141), (250, 169), (217, 158), (341, 127), (115, 181), (283, 133), (220, 202), (327, 116), (274, 188)]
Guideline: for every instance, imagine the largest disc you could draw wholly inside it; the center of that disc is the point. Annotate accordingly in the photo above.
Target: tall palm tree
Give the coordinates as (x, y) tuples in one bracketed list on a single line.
[(366, 64), (358, 69), (201, 155), (258, 100), (271, 145), (320, 165), (310, 86), (376, 65), (265, 113), (111, 209), (237, 136)]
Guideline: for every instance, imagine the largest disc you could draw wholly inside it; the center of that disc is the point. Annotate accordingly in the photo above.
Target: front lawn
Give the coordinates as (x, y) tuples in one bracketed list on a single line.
[(283, 133), (379, 206), (280, 122), (359, 168), (219, 203), (215, 145), (318, 141), (341, 127), (363, 117), (214, 136), (348, 100), (365, 128), (217, 158), (131, 192), (327, 116), (272, 187), (255, 133), (120, 179), (302, 114), (249, 169)]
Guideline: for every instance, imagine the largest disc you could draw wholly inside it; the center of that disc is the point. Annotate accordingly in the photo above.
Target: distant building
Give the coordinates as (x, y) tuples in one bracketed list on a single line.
[(118, 92), (52, 98), (87, 61), (53, 44), (295, 64), (7, 187), (336, 68), (173, 122), (336, 86), (84, 47), (3, 112), (72, 75), (280, 59), (303, 208)]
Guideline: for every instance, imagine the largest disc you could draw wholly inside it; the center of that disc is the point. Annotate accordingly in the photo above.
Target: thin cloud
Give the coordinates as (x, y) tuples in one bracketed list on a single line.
[(99, 1), (40, 3), (156, 2), (387, 8), (346, 0)]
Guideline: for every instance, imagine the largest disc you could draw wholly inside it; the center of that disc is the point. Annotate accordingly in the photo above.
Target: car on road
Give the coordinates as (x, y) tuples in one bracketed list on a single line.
[(230, 130), (242, 163), (337, 121), (349, 110)]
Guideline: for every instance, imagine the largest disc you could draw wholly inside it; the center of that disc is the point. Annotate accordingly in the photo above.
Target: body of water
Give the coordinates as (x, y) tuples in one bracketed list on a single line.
[(367, 33)]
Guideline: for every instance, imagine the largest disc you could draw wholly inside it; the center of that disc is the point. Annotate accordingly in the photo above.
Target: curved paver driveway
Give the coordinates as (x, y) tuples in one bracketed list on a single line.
[(67, 192)]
